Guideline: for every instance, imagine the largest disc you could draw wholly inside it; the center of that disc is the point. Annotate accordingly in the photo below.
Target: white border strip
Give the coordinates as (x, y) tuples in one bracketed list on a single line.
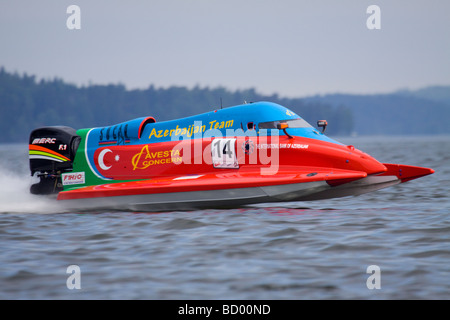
[(87, 157)]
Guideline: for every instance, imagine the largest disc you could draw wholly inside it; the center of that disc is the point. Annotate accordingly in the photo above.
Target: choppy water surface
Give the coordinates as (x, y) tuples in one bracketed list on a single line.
[(297, 250)]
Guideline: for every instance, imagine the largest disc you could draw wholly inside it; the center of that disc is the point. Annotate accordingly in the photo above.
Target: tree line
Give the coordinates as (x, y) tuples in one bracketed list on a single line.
[(27, 103)]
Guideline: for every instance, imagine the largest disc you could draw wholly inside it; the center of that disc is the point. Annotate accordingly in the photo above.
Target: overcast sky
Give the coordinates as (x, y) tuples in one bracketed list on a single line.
[(294, 48)]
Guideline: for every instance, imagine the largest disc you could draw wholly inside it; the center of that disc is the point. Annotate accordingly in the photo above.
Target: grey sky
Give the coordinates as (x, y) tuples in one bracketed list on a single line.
[(294, 48)]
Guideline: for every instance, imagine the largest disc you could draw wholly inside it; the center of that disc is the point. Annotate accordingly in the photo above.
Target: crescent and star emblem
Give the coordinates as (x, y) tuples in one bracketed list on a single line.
[(101, 163)]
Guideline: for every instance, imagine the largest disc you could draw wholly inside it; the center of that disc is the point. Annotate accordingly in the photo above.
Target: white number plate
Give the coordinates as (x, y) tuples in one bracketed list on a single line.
[(223, 152)]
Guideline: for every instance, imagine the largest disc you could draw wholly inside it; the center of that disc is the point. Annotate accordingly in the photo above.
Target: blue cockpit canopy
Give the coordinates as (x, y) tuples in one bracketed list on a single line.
[(251, 119)]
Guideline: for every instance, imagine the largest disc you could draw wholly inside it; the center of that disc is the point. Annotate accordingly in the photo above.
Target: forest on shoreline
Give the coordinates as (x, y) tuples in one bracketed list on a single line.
[(27, 103)]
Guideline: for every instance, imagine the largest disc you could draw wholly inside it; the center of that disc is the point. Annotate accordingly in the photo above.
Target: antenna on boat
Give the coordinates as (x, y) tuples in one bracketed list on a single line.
[(220, 102)]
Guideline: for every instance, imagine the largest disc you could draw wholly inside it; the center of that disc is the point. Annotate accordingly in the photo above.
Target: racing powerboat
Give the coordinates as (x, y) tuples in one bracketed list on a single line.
[(251, 153)]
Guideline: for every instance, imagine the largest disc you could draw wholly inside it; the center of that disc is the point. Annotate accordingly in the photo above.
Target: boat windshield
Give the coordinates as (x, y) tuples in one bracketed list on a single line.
[(292, 123)]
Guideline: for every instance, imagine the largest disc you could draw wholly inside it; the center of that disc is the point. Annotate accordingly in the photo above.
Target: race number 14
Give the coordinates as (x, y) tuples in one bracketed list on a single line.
[(223, 153)]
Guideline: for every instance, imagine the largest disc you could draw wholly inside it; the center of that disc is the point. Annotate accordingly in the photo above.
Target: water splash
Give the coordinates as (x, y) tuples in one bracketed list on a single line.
[(15, 182), (15, 196)]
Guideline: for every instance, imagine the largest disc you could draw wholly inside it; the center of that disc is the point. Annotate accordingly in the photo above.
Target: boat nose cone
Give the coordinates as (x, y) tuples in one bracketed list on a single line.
[(376, 167), (367, 163)]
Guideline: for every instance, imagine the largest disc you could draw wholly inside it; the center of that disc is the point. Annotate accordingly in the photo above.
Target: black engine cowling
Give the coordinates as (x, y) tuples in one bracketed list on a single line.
[(52, 151)]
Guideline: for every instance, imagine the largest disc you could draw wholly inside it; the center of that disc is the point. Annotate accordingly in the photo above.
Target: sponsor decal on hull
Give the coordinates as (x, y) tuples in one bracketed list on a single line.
[(73, 178)]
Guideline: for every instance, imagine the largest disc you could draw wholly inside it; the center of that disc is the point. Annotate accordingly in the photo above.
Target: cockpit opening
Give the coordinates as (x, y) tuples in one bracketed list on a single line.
[(291, 123)]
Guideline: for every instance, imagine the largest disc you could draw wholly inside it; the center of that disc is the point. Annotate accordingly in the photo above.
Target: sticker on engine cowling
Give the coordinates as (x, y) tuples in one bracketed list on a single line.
[(73, 178)]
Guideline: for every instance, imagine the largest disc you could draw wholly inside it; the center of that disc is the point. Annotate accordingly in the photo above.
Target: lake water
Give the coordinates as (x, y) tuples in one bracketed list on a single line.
[(296, 250)]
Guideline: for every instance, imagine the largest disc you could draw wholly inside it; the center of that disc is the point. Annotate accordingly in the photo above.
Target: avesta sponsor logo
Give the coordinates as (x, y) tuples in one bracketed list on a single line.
[(146, 158), (197, 127)]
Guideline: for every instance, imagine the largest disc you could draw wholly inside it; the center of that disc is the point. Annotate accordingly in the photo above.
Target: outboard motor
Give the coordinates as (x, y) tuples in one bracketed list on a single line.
[(52, 151)]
